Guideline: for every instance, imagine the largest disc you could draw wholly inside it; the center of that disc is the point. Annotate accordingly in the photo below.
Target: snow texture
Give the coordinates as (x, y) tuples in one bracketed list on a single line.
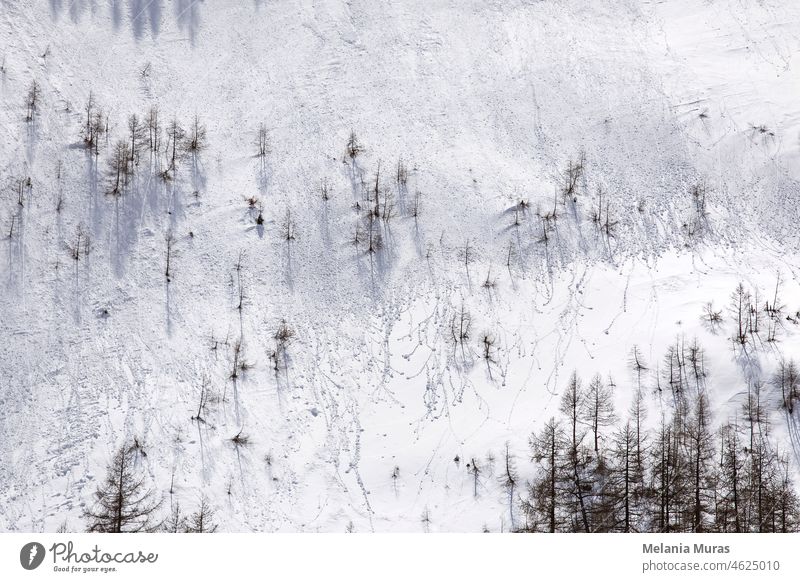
[(373, 412)]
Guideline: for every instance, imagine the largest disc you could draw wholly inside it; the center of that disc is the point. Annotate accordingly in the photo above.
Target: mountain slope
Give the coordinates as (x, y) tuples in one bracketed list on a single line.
[(683, 116)]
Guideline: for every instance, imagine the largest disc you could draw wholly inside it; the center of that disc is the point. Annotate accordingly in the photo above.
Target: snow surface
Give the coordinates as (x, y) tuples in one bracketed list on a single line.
[(487, 101)]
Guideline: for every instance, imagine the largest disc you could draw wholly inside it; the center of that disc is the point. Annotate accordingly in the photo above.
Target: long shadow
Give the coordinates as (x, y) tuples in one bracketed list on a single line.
[(174, 200), (198, 176), (14, 256), (263, 176), (236, 404), (96, 196), (76, 8), (55, 8), (168, 307), (116, 13), (203, 463), (33, 134), (140, 13), (187, 13), (155, 11), (77, 291), (155, 192), (287, 254)]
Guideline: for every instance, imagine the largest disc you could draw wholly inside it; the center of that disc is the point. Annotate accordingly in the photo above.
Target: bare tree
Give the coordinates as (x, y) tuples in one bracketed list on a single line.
[(202, 520), (203, 401), (90, 110), (239, 284), (387, 204), (415, 204), (638, 364), (467, 256), (325, 190), (401, 173), (509, 480), (626, 478), (136, 137), (476, 471), (461, 325), (262, 141), (354, 147), (14, 219), (124, 503), (520, 209), (638, 414), (81, 245), (237, 359), (572, 405), (700, 456), (175, 136), (282, 336), (573, 177), (712, 316), (96, 125), (488, 342), (170, 240), (196, 141), (787, 380), (23, 187), (548, 486), (598, 405), (395, 477), (32, 101), (240, 439), (175, 522), (358, 234), (120, 167), (288, 227), (740, 306), (153, 129), (374, 237), (59, 181), (755, 413), (425, 518)]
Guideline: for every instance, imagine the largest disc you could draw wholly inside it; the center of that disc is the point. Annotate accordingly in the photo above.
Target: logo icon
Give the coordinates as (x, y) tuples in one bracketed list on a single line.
[(31, 555)]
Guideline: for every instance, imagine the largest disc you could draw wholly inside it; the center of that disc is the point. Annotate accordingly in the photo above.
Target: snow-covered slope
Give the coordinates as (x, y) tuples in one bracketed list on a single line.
[(488, 104)]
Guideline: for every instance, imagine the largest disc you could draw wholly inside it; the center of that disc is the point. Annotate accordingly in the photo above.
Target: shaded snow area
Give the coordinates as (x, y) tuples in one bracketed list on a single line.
[(558, 183)]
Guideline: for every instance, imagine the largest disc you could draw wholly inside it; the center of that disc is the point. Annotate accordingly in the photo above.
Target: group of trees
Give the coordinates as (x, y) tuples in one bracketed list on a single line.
[(682, 475), (126, 503), (593, 473), (755, 318), (573, 182), (786, 380), (376, 198), (148, 133)]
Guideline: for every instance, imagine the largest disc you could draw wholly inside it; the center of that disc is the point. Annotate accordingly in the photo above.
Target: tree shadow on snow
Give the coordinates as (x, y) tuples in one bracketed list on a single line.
[(143, 12), (187, 13)]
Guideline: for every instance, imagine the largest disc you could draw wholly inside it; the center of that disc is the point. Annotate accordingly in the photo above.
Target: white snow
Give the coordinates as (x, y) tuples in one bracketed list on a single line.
[(486, 101)]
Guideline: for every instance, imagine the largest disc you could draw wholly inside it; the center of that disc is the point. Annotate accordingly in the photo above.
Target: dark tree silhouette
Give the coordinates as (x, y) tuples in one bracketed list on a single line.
[(32, 101), (124, 503), (546, 489), (599, 408), (202, 520)]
